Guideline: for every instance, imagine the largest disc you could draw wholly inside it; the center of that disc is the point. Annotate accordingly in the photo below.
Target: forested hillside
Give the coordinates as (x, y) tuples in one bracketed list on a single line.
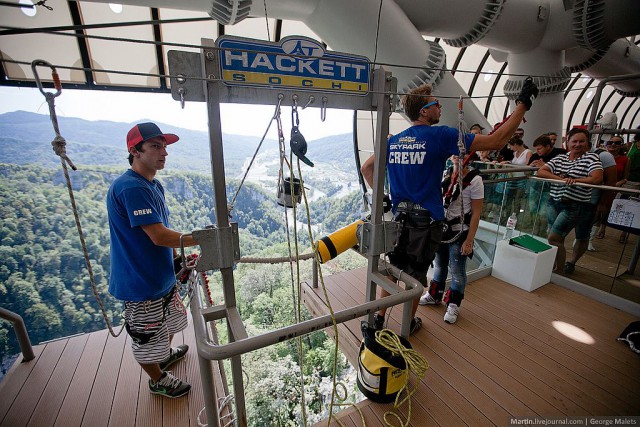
[(42, 269), (43, 276)]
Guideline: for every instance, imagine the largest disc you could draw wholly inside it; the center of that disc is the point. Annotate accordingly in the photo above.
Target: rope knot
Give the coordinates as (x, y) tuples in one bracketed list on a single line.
[(59, 145)]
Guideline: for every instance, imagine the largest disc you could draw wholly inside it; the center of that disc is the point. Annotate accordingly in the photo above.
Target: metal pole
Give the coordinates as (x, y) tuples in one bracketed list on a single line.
[(21, 333), (210, 59), (381, 101), (212, 351), (596, 98)]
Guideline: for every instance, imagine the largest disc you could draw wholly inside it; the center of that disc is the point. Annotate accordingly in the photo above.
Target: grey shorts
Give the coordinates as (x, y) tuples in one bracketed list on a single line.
[(150, 323)]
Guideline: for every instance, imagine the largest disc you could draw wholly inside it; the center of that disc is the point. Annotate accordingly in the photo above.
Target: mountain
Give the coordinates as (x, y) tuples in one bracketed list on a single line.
[(26, 139)]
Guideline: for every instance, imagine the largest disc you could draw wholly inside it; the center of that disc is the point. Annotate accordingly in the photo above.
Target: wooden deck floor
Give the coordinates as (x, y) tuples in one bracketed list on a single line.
[(502, 358), (93, 380)]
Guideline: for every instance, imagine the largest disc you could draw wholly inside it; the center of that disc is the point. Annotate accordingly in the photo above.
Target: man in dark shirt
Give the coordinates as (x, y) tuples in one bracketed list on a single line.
[(544, 151), (539, 191)]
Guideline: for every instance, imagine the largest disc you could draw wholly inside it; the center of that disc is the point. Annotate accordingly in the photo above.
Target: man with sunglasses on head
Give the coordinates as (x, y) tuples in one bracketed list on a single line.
[(415, 164)]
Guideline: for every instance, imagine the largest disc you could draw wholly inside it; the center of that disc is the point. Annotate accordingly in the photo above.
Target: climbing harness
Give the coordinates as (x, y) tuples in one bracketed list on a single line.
[(456, 178), (59, 147)]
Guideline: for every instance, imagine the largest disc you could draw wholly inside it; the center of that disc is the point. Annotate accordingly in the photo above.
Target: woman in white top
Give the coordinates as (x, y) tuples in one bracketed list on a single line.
[(457, 241), (516, 189)]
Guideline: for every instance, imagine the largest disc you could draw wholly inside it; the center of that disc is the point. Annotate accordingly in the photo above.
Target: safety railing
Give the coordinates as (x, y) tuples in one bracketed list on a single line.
[(611, 264), (21, 333)]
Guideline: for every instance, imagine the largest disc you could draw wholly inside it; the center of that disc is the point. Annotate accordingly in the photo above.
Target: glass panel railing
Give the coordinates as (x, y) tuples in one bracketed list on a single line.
[(608, 264)]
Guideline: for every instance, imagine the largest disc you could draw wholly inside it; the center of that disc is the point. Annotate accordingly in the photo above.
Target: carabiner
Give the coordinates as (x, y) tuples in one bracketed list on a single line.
[(295, 119), (54, 77)]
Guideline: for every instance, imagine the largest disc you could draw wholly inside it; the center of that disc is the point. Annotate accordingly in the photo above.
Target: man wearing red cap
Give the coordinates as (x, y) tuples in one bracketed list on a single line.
[(142, 259)]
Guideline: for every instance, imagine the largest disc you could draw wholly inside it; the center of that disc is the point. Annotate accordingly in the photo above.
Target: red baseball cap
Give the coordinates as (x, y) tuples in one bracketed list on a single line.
[(145, 131)]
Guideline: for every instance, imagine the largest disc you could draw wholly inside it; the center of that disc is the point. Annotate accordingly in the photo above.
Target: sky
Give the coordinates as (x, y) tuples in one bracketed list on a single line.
[(129, 107)]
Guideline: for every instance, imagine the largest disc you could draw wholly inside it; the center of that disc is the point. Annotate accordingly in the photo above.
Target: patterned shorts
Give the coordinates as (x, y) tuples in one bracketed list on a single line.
[(150, 323)]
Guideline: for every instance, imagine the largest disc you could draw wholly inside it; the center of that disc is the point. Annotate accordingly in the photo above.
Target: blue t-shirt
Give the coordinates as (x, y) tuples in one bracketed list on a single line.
[(416, 161), (140, 270)]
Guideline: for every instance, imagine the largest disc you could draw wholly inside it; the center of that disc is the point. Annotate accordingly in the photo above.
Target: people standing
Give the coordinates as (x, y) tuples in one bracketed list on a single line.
[(462, 218), (538, 192), (570, 205), (516, 189), (142, 259), (615, 147), (415, 164)]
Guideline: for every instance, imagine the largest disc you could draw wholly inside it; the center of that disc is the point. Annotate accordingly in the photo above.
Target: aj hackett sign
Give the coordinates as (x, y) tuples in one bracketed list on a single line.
[(294, 62)]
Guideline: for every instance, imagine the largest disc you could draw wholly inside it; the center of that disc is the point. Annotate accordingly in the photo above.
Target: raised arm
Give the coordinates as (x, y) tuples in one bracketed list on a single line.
[(499, 138)]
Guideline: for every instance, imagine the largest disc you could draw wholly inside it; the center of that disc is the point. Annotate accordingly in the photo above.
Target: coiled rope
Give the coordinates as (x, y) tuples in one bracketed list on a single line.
[(417, 366), (60, 148)]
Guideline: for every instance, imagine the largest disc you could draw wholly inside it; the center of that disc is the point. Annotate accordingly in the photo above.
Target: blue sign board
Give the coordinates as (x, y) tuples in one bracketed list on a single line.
[(294, 62)]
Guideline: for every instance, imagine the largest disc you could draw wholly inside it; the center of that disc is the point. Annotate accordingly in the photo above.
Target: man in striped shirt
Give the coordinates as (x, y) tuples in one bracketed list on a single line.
[(569, 205)]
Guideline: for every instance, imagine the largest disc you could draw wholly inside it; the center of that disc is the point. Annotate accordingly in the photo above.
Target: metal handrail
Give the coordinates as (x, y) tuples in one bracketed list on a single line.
[(21, 333)]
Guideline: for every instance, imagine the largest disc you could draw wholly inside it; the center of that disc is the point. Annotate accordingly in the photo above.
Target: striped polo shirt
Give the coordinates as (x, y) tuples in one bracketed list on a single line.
[(579, 168)]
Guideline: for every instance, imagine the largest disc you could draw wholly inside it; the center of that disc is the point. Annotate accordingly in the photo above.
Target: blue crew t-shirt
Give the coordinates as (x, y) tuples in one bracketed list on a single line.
[(416, 161), (140, 270)]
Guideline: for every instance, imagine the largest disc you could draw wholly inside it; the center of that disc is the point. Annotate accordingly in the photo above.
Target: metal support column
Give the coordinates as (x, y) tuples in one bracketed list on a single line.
[(222, 213)]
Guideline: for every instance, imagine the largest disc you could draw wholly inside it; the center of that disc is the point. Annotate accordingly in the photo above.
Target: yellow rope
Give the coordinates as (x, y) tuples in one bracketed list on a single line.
[(335, 394), (416, 364)]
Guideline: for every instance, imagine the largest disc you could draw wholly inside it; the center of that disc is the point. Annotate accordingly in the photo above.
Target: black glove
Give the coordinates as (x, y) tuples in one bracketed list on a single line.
[(177, 267), (386, 203), (528, 93)]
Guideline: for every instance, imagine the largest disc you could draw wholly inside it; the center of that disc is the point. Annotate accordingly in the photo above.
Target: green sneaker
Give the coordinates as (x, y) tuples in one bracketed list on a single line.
[(169, 386), (175, 354)]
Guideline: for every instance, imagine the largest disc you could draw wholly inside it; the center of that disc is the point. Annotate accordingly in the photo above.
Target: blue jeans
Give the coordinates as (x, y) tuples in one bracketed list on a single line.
[(448, 257), (564, 215)]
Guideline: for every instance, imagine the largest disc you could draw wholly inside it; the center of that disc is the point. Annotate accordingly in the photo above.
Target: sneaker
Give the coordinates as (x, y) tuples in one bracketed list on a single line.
[(378, 322), (591, 248), (169, 386), (416, 324), (569, 268), (428, 299), (176, 353), (452, 313)]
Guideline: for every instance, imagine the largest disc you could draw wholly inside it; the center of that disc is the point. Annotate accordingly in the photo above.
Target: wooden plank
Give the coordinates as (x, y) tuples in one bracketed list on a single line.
[(29, 396), (426, 400), (15, 379), (478, 370), (75, 402), (555, 374), (196, 398), (127, 388), (176, 411), (149, 413), (455, 400), (48, 407), (588, 368), (101, 400), (539, 323)]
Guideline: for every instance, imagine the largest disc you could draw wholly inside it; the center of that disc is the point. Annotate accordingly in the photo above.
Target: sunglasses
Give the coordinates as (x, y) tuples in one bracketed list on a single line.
[(429, 104), (615, 143)]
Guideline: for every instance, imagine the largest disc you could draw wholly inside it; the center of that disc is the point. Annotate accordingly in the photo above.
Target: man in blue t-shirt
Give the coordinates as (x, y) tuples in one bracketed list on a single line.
[(415, 164), (142, 259)]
